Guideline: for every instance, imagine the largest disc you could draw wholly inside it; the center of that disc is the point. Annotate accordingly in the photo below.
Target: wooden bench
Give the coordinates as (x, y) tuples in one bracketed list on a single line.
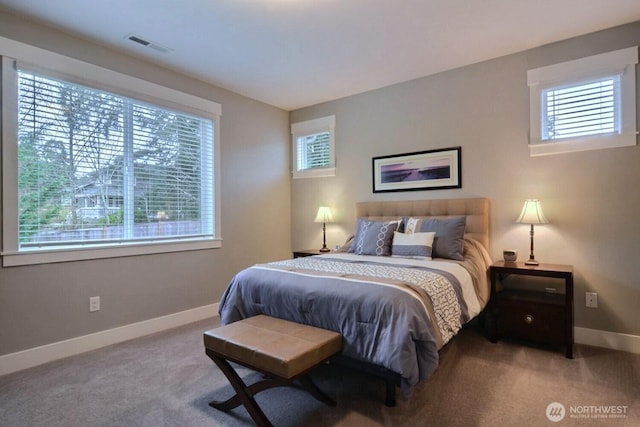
[(282, 350)]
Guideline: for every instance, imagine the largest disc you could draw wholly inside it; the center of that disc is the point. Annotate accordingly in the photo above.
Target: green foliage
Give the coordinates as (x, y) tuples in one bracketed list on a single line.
[(70, 150), (112, 219), (40, 186)]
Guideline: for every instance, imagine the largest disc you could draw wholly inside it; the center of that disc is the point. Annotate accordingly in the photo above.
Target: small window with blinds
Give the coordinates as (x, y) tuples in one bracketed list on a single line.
[(313, 147), (314, 151), (99, 170), (584, 104), (587, 108)]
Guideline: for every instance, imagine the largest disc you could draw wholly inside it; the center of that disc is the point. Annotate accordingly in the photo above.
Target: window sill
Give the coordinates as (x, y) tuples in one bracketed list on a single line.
[(314, 173), (30, 257), (582, 144)]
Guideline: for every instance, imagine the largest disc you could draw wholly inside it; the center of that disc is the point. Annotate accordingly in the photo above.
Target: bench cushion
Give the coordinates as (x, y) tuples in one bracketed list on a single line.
[(273, 345)]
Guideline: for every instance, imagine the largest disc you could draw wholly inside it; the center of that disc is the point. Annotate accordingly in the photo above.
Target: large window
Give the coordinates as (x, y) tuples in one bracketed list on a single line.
[(98, 171), (314, 148), (584, 104)]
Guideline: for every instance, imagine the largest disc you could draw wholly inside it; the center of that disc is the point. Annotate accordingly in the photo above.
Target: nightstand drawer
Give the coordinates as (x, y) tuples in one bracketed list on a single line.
[(531, 321)]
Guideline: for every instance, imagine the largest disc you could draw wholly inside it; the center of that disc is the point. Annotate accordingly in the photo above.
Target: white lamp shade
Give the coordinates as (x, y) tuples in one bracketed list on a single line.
[(324, 215), (532, 213)]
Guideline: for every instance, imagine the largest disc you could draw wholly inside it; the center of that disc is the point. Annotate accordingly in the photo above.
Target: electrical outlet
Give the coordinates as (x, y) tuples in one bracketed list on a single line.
[(94, 304), (591, 299)]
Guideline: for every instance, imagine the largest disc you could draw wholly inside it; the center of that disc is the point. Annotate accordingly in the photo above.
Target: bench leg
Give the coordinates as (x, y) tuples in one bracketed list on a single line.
[(243, 395), (252, 390)]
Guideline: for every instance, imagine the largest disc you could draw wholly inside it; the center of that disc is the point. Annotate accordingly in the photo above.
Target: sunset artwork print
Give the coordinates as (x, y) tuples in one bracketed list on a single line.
[(417, 171), (426, 170)]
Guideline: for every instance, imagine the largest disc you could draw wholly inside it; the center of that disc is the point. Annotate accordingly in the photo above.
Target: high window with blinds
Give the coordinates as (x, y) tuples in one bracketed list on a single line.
[(99, 170), (313, 151), (584, 104), (588, 108), (314, 148)]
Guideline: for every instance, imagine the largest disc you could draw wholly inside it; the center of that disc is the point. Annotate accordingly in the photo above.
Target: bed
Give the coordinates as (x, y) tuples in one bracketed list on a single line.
[(414, 273)]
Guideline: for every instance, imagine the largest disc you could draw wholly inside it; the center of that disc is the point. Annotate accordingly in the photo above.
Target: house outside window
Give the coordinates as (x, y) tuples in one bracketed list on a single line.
[(91, 173), (313, 146), (584, 104)]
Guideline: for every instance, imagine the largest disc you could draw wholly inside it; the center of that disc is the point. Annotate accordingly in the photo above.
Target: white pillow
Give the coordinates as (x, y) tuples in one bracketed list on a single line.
[(414, 245)]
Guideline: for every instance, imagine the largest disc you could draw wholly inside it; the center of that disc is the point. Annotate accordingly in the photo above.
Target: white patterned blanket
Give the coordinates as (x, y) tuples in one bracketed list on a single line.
[(441, 287)]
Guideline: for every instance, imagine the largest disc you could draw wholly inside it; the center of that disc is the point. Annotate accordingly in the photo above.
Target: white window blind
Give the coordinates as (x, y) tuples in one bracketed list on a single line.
[(98, 168), (589, 108), (314, 151), (313, 147)]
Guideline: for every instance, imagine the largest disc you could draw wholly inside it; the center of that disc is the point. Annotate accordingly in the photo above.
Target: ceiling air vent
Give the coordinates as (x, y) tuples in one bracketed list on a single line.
[(142, 41)]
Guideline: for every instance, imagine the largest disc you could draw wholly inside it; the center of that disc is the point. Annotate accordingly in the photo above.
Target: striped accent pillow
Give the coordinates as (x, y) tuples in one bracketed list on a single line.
[(414, 245)]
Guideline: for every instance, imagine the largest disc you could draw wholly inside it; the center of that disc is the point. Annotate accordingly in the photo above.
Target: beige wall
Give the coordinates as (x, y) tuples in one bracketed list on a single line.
[(48, 303), (590, 198)]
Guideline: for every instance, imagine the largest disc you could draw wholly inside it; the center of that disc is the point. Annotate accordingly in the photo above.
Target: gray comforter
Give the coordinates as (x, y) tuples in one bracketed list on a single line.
[(395, 316)]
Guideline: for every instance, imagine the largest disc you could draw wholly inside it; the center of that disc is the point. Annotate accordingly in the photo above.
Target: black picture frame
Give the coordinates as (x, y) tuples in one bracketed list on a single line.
[(422, 170)]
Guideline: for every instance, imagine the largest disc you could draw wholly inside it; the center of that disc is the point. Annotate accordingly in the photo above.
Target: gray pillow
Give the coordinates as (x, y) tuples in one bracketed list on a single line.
[(449, 240), (373, 237)]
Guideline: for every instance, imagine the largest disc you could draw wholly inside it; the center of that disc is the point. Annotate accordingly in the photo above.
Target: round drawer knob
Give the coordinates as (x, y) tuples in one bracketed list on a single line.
[(528, 319)]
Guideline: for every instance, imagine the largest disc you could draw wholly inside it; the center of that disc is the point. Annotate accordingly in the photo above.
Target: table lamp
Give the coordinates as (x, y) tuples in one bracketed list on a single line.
[(324, 216), (532, 214)]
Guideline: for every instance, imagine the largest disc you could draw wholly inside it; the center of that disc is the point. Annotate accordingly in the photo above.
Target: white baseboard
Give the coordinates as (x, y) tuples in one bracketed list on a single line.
[(20, 360), (606, 339)]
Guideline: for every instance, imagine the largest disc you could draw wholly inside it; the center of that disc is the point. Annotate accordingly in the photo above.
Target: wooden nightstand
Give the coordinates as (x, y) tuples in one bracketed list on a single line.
[(308, 252), (533, 315)]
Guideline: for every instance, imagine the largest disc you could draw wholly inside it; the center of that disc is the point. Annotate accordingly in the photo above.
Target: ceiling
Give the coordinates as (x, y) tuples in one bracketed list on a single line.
[(295, 53)]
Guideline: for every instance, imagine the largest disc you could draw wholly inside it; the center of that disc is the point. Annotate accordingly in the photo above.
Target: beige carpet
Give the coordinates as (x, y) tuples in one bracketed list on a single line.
[(166, 380)]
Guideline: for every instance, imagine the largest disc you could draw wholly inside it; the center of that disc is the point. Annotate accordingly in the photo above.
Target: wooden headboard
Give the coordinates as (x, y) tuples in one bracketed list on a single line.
[(476, 211)]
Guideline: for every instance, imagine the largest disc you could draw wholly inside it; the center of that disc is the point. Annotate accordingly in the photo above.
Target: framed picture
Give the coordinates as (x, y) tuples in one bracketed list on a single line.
[(424, 170)]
